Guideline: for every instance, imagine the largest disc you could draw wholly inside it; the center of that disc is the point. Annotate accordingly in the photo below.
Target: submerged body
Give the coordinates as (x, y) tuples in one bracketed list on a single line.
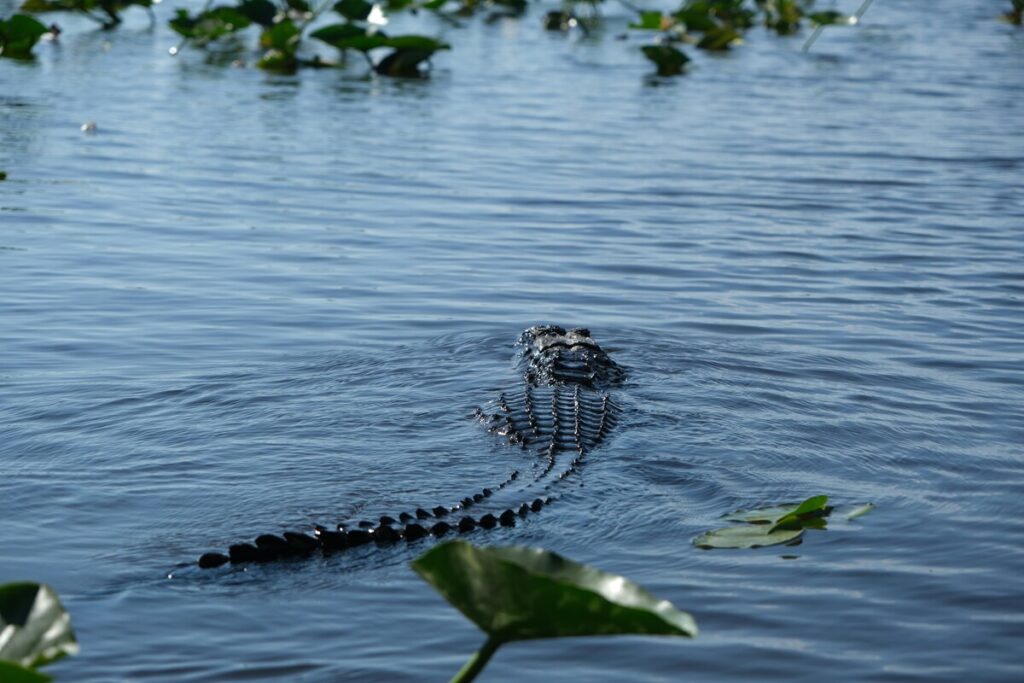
[(561, 412)]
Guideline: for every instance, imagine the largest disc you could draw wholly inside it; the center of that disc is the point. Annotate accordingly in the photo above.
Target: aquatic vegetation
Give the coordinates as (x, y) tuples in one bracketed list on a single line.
[(515, 593), (776, 525), (18, 35), (710, 25), (106, 13), (36, 631), (283, 25), (718, 25)]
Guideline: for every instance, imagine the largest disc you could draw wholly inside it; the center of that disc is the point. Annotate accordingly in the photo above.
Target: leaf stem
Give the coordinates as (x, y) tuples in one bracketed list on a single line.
[(477, 662)]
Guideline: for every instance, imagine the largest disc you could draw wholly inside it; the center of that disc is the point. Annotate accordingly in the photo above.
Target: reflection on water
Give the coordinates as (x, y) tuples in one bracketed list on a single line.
[(250, 303)]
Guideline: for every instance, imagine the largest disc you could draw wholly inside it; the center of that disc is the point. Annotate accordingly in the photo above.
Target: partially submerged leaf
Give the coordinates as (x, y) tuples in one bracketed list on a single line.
[(351, 37), (812, 507), (859, 511), (831, 18), (669, 60), (516, 593), (19, 34), (746, 536), (34, 628), (719, 39), (769, 525), (15, 673), (652, 21)]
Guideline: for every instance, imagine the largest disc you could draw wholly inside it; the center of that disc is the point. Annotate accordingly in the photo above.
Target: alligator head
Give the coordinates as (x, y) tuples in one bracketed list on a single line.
[(552, 355)]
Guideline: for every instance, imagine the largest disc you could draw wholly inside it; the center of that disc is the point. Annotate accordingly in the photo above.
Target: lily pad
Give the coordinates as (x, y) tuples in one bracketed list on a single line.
[(746, 536), (19, 34), (810, 508), (669, 60), (516, 593), (34, 627), (774, 525)]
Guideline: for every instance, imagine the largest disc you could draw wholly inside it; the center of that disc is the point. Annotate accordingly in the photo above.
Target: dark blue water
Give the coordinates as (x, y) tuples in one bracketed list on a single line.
[(254, 302)]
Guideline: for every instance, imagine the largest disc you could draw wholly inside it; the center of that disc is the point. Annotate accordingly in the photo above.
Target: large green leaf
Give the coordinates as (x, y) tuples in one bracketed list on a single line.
[(34, 628), (15, 673), (810, 508), (261, 12), (417, 43), (354, 10), (283, 36), (516, 593), (19, 34), (669, 60)]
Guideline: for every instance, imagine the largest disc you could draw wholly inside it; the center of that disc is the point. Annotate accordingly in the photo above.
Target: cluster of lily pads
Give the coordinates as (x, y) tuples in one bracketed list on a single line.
[(712, 25)]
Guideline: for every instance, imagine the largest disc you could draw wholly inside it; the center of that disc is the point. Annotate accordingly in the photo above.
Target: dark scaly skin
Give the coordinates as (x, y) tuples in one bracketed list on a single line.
[(562, 411)]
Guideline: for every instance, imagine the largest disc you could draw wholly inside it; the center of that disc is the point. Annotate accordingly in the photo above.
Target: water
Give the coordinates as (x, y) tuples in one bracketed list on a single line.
[(253, 302)]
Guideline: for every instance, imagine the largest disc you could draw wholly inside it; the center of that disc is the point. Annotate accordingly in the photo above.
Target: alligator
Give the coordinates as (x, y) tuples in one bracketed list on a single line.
[(561, 413)]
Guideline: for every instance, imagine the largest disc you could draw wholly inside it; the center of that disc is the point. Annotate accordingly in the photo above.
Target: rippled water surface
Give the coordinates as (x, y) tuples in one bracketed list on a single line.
[(254, 302)]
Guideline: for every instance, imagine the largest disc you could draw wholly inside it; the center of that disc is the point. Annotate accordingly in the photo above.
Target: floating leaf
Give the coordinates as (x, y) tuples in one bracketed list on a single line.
[(354, 10), (351, 37), (669, 60), (34, 628), (766, 515), (812, 507), (403, 63), (516, 593), (831, 18), (719, 39), (653, 21), (339, 33), (282, 36), (859, 511), (210, 25), (768, 526), (19, 34), (260, 12), (416, 42), (746, 536)]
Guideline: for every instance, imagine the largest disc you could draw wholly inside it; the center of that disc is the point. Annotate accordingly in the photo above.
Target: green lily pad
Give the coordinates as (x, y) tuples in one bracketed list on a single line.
[(354, 10), (261, 12), (810, 508), (831, 18), (746, 536), (351, 37), (668, 60), (773, 525), (650, 21), (19, 34), (35, 628), (516, 593)]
